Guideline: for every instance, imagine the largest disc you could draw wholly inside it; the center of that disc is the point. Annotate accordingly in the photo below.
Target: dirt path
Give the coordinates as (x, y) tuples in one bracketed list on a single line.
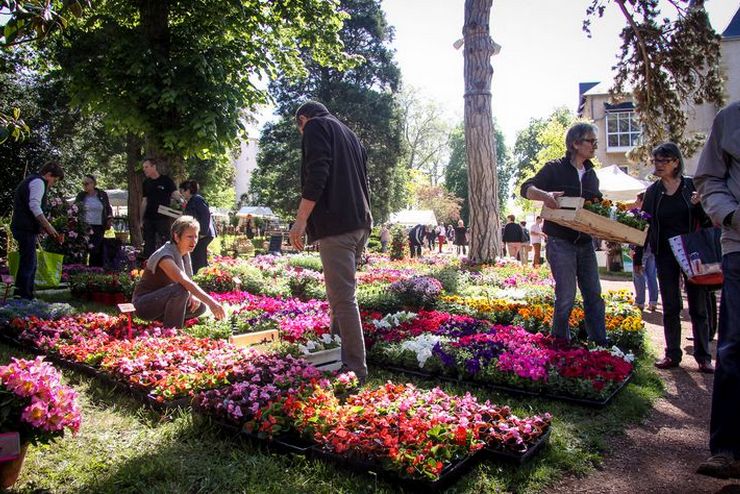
[(661, 454)]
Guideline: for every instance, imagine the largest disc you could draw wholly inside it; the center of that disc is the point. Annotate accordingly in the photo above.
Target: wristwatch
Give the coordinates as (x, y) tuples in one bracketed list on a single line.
[(728, 219)]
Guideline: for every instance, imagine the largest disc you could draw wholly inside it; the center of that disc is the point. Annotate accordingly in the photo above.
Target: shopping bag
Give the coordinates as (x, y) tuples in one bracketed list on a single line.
[(700, 256), (48, 270)]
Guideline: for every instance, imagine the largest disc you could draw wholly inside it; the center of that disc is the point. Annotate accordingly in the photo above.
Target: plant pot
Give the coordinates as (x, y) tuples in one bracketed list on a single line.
[(11, 470), (324, 356)]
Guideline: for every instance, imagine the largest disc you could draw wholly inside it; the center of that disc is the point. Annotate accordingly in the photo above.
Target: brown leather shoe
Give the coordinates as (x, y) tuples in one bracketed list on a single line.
[(706, 367), (721, 466), (666, 363)]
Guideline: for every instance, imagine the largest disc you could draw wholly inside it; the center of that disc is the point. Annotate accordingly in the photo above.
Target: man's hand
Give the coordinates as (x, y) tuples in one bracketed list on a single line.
[(218, 311), (637, 269), (296, 233), (193, 304), (551, 199)]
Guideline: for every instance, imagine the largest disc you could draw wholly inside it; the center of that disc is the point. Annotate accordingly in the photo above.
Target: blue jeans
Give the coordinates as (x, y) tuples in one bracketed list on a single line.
[(649, 275), (724, 427), (571, 265), (27, 263)]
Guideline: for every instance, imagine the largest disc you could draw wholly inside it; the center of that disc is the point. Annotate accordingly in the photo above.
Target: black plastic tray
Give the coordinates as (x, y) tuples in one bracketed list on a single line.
[(450, 474), (512, 390), (519, 458)]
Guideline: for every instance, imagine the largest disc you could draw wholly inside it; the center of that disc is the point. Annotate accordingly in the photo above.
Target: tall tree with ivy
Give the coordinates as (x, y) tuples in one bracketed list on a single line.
[(177, 78), (362, 96)]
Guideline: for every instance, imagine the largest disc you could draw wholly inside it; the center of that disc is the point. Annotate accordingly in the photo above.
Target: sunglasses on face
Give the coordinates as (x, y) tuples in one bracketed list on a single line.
[(661, 161)]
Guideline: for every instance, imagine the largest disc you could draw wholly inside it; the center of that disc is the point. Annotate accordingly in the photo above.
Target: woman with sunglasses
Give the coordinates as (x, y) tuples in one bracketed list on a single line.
[(98, 216), (675, 209)]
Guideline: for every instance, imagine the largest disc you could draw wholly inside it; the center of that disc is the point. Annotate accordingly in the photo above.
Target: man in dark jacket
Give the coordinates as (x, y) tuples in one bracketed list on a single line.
[(570, 253), (28, 220), (335, 209), (512, 236), (416, 239)]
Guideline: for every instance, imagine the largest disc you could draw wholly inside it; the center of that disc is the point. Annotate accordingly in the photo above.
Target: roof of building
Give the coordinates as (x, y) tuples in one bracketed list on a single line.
[(733, 29)]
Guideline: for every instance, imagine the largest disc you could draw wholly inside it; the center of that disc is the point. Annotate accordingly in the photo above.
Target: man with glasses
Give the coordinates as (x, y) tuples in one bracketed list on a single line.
[(718, 181), (335, 209), (571, 253)]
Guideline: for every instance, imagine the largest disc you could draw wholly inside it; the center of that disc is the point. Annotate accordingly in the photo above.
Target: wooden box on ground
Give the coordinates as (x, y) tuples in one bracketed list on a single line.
[(573, 215), (325, 358), (256, 338)]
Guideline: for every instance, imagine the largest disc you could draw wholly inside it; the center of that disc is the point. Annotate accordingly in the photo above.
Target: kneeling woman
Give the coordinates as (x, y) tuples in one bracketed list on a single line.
[(166, 293)]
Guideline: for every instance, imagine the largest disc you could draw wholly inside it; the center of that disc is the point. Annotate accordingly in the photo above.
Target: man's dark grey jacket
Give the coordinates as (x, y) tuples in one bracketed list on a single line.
[(334, 174)]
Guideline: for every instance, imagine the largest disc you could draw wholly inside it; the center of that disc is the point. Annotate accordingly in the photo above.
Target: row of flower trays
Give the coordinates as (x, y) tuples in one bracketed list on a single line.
[(422, 440), (419, 438), (433, 344)]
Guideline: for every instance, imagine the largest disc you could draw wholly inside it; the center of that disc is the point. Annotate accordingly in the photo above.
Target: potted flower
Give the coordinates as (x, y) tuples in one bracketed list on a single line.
[(35, 404)]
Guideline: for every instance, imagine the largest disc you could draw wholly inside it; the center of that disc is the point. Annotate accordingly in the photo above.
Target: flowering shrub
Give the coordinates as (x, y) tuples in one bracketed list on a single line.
[(419, 291), (215, 279), (20, 308), (34, 402), (67, 219), (631, 217)]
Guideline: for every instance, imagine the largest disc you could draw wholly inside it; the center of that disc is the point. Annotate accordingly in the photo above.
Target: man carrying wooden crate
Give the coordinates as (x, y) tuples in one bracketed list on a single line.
[(571, 253)]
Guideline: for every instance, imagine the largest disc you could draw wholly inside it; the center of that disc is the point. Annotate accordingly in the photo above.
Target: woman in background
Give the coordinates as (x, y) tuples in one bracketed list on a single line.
[(197, 207), (675, 209), (98, 216)]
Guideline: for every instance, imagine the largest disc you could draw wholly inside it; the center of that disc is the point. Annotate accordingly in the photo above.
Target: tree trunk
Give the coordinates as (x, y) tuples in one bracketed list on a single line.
[(484, 227), (135, 188)]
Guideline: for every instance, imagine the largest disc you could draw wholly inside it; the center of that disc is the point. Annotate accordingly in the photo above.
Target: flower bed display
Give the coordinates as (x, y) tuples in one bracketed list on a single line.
[(409, 433), (465, 348)]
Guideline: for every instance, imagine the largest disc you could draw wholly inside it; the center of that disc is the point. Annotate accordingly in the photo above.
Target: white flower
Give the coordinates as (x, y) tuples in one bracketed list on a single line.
[(325, 338), (303, 350), (422, 346)]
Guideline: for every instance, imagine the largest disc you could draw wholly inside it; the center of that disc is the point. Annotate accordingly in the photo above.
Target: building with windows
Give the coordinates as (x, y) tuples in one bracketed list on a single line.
[(619, 129)]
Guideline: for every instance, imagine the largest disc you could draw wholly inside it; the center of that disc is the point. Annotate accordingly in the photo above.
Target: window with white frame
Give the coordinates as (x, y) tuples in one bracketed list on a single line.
[(622, 131)]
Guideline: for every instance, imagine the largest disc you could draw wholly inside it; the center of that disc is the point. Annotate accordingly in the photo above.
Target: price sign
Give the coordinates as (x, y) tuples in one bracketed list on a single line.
[(128, 309)]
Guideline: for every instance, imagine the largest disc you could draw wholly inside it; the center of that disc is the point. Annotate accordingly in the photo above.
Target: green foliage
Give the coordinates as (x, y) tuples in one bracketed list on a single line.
[(306, 261), (456, 173), (399, 244), (57, 132), (361, 97), (182, 74), (216, 178), (666, 63), (543, 140)]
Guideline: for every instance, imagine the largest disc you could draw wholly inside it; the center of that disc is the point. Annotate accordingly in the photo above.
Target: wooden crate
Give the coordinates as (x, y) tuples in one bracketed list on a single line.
[(256, 338), (323, 357), (573, 215)]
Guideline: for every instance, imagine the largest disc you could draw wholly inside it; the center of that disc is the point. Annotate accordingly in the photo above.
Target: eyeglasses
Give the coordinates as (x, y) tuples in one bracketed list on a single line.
[(593, 142), (87, 183), (661, 161)]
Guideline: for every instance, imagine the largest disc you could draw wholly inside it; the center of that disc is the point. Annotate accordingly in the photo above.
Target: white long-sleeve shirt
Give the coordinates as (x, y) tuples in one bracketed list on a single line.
[(35, 194)]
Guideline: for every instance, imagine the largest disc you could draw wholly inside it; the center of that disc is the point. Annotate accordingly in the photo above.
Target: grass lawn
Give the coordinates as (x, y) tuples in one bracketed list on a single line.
[(125, 447)]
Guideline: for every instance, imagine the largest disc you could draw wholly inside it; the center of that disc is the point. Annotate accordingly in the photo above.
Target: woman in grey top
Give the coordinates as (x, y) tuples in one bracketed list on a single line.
[(98, 216), (166, 291)]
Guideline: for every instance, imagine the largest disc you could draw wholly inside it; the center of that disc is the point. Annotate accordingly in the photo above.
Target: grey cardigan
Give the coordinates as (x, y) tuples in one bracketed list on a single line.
[(717, 176)]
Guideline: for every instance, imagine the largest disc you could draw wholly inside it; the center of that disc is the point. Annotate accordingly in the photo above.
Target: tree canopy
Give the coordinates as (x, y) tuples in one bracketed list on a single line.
[(361, 96), (664, 64)]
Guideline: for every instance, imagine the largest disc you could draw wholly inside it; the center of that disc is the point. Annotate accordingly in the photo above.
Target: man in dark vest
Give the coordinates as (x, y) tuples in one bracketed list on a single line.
[(28, 220), (335, 209)]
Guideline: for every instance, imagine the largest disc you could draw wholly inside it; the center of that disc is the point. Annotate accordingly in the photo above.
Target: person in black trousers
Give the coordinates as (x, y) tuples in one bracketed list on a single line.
[(98, 215), (675, 209), (197, 207)]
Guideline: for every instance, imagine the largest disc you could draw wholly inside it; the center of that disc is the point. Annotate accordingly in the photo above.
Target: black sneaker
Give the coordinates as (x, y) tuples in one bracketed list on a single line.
[(721, 466)]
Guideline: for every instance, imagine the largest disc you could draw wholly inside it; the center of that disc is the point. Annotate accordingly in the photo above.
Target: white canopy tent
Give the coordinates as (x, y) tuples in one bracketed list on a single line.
[(411, 217), (261, 211), (617, 185)]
